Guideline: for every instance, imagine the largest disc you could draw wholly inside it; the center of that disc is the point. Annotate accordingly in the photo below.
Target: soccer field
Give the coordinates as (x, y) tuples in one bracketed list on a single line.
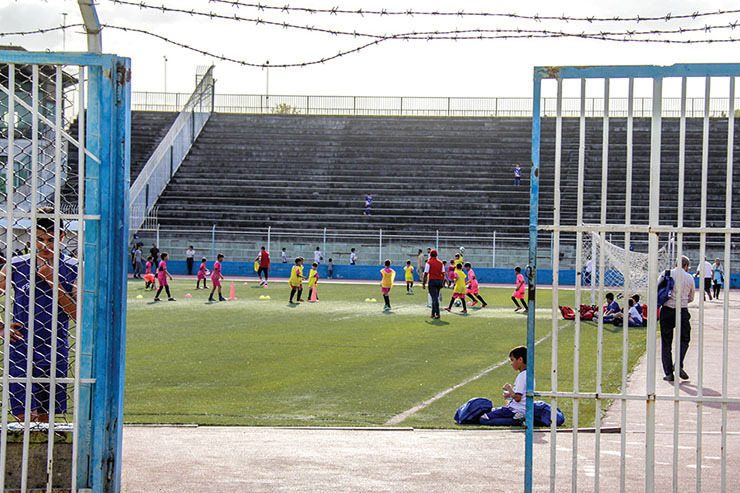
[(339, 362)]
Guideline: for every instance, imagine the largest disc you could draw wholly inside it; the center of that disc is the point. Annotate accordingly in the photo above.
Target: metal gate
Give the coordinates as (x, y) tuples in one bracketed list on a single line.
[(657, 188), (64, 154)]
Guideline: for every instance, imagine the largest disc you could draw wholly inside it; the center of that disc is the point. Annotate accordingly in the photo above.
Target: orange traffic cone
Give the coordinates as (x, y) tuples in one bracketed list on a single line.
[(232, 296), (313, 298)]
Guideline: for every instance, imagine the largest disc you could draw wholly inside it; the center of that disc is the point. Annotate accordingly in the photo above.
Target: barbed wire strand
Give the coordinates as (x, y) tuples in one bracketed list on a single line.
[(422, 34), (461, 13), (407, 37)]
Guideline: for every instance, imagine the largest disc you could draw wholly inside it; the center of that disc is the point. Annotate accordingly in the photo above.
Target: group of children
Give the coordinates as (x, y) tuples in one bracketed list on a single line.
[(296, 282), (162, 277), (613, 312)]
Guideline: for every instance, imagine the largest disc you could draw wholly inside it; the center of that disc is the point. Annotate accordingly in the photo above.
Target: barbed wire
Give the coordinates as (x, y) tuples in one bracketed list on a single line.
[(437, 35), (452, 34), (461, 13)]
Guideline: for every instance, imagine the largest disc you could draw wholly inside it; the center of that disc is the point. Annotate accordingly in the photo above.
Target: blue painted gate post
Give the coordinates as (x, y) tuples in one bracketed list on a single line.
[(103, 324), (532, 280)]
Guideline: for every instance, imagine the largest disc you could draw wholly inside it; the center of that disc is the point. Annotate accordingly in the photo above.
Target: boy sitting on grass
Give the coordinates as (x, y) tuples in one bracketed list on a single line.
[(514, 411)]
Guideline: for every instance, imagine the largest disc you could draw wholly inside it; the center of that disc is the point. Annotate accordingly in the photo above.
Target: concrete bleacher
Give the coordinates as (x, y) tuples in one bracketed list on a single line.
[(289, 171)]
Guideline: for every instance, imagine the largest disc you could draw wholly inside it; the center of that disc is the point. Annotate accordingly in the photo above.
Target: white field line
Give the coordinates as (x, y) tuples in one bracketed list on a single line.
[(398, 418)]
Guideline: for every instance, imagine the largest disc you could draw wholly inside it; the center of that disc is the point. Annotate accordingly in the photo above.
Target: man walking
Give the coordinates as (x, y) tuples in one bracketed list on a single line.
[(433, 272), (668, 320), (707, 277)]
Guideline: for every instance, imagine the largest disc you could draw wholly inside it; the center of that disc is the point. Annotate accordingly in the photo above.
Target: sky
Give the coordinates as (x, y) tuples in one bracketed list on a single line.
[(458, 68)]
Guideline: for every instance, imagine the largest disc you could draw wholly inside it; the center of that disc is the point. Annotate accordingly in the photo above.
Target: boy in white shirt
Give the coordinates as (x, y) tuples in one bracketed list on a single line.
[(635, 314), (517, 395)]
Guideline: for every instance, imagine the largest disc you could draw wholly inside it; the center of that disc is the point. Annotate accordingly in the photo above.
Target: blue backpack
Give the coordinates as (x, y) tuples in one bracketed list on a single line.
[(665, 288), (542, 416), (472, 410)]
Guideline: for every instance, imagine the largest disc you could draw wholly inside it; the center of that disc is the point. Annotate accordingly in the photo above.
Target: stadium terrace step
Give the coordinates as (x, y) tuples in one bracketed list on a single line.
[(427, 173)]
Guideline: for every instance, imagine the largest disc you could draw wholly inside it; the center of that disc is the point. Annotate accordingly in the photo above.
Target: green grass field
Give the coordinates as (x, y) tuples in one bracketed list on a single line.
[(339, 362)]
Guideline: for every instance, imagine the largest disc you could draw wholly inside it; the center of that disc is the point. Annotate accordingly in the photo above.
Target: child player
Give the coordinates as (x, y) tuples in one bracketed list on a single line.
[(202, 273), (409, 274), (39, 323), (458, 290), (296, 280), (216, 277), (473, 287), (516, 408), (148, 276), (521, 286), (313, 279), (388, 275), (162, 276)]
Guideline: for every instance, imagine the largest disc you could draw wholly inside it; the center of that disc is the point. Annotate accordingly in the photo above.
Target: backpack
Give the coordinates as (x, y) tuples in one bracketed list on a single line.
[(469, 412), (665, 288), (542, 416), (587, 312), (568, 313)]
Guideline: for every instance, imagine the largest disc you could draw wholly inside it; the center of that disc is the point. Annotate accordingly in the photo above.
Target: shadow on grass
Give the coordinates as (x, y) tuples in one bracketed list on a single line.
[(436, 322)]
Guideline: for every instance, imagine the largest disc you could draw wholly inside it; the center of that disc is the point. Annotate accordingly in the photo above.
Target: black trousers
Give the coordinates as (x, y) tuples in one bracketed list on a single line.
[(189, 261), (435, 286), (708, 286), (667, 326), (263, 270)]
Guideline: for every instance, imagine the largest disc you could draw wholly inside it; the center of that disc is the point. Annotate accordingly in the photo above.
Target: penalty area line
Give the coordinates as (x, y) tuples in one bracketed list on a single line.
[(398, 418)]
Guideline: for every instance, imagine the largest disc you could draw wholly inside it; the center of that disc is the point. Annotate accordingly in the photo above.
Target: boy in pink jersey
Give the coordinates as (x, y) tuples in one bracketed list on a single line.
[(472, 290), (521, 287), (202, 273), (216, 277), (162, 276)]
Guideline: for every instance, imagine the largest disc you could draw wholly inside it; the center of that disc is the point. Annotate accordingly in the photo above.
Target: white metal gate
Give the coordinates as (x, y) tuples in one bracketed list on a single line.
[(640, 181), (64, 160)]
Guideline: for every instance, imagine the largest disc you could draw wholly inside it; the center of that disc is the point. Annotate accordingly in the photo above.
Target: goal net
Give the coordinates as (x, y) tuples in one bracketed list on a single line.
[(620, 266)]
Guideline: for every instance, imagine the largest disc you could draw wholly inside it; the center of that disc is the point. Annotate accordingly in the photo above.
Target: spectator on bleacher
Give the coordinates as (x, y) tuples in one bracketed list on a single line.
[(708, 271), (368, 203), (317, 256), (517, 174), (189, 259), (154, 252), (352, 257)]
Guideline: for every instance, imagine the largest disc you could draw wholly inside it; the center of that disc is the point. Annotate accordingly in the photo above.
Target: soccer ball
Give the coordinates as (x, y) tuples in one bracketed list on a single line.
[(457, 303), (462, 249)]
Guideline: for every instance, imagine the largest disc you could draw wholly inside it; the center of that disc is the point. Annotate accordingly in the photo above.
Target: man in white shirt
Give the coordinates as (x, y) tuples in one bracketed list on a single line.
[(352, 257), (668, 320), (707, 267), (317, 256)]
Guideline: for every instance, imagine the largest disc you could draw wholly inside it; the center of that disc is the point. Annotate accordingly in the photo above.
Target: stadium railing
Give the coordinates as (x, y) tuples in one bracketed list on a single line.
[(171, 151), (421, 106)]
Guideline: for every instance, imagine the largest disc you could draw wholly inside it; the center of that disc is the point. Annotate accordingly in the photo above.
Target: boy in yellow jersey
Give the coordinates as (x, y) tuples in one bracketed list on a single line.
[(313, 279), (458, 260), (388, 275), (409, 272), (296, 280), (458, 291)]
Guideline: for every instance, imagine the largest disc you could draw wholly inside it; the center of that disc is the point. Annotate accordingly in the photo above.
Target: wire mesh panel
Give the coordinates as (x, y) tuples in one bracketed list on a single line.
[(666, 185), (48, 159)]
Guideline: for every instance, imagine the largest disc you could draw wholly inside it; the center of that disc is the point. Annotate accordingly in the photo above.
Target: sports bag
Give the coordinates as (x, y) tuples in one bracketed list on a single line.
[(469, 412)]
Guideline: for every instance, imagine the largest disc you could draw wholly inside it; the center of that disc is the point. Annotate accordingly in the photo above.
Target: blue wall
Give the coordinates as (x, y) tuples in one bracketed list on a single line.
[(372, 272)]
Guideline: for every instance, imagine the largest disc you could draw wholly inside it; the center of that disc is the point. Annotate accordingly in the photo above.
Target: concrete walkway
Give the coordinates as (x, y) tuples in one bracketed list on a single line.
[(245, 459)]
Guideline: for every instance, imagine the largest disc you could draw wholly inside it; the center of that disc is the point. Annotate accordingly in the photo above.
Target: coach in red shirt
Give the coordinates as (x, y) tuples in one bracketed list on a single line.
[(434, 273), (264, 265)]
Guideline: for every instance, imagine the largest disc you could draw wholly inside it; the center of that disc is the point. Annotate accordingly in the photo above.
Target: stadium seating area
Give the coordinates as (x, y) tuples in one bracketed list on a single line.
[(424, 173)]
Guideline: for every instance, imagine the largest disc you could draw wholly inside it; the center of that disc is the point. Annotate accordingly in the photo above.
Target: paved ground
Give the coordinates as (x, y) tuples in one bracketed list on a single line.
[(204, 459)]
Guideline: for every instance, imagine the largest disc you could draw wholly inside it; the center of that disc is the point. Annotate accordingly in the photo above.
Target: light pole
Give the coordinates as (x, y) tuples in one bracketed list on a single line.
[(164, 57), (64, 31)]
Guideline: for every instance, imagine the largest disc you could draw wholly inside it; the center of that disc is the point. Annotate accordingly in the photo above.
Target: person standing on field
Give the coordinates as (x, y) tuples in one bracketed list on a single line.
[(189, 259), (668, 320)]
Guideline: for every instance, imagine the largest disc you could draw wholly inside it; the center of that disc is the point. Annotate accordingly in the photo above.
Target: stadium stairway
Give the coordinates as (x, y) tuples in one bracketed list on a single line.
[(426, 173)]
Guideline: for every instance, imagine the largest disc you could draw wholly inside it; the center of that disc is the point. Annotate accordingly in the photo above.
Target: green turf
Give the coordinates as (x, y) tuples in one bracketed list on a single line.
[(339, 362)]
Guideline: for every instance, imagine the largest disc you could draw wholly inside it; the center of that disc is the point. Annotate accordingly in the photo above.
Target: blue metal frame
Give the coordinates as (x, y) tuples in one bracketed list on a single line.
[(102, 343), (585, 72)]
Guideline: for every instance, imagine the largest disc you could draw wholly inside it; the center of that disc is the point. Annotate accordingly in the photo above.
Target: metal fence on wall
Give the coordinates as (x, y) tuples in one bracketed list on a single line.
[(425, 106)]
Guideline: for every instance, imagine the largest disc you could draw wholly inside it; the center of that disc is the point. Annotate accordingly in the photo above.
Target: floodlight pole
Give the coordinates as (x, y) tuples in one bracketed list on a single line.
[(92, 26)]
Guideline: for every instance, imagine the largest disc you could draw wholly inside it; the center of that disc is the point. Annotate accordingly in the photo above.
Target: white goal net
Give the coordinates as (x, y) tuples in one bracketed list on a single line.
[(620, 266)]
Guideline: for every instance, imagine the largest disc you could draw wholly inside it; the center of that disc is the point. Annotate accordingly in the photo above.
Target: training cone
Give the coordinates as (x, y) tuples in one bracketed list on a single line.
[(188, 295), (373, 300), (313, 298), (367, 299), (267, 297), (246, 284), (139, 297), (262, 297), (276, 282), (232, 296)]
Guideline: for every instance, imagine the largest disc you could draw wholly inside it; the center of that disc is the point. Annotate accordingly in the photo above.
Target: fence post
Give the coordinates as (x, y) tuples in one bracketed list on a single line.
[(380, 247), (323, 248), (401, 114), (436, 242), (157, 235), (307, 104), (213, 242), (269, 228), (448, 106), (494, 249)]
